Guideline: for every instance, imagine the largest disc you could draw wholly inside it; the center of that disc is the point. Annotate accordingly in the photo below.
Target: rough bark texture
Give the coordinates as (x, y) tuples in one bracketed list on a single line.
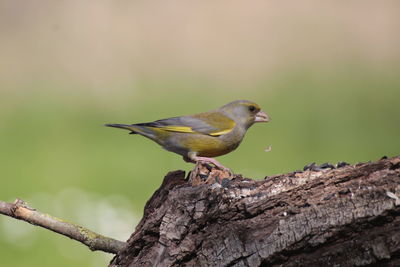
[(348, 216)]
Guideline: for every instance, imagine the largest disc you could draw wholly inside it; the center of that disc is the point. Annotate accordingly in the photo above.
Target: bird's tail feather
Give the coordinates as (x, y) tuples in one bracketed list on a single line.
[(131, 128)]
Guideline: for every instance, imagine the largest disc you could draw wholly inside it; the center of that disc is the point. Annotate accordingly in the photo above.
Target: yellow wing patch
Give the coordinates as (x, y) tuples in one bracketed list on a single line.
[(221, 132), (180, 129), (185, 129)]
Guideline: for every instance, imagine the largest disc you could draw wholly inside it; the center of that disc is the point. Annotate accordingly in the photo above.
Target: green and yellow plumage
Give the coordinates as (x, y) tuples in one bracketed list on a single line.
[(208, 134)]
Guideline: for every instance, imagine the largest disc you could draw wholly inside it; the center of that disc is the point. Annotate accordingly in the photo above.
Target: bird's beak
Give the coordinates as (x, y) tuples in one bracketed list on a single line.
[(262, 117)]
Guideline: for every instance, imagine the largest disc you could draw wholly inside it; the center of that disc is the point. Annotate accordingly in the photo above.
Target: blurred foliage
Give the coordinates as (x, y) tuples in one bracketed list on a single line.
[(330, 82)]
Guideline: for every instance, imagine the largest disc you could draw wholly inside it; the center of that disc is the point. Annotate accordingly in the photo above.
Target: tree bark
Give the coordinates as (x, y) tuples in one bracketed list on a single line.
[(347, 216)]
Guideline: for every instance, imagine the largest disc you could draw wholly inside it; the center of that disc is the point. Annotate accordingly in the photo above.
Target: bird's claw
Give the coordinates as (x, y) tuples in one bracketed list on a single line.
[(212, 161), (207, 172)]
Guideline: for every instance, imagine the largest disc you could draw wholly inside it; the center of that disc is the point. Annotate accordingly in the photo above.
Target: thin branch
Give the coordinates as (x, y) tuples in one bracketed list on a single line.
[(19, 210)]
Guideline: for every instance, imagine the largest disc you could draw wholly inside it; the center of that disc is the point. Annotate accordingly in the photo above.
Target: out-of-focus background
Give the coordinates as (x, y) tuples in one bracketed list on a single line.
[(326, 72)]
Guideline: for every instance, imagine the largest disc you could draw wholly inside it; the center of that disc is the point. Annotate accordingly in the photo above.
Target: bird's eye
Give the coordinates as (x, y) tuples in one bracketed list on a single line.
[(252, 108)]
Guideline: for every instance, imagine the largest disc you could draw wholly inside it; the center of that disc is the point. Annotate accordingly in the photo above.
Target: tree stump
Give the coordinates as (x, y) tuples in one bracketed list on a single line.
[(345, 216)]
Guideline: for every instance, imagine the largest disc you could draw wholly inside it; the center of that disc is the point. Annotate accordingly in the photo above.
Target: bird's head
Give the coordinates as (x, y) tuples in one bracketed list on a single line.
[(245, 112)]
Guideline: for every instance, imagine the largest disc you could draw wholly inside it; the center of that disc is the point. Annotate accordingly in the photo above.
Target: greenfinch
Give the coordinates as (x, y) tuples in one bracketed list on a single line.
[(200, 137)]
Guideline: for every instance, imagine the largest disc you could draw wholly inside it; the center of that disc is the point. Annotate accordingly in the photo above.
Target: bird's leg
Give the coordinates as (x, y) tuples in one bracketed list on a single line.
[(210, 161), (200, 160), (192, 157)]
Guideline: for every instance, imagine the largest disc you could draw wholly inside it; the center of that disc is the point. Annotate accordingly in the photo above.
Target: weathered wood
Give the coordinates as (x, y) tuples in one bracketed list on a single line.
[(345, 216)]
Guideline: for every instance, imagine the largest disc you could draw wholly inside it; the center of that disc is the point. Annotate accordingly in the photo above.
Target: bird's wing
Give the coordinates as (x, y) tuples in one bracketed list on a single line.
[(210, 123)]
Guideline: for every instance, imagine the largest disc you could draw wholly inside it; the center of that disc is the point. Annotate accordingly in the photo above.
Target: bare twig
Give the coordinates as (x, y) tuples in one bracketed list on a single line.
[(19, 210)]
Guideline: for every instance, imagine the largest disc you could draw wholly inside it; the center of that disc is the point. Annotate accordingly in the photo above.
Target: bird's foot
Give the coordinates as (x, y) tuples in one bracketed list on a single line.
[(204, 160), (209, 171), (205, 172)]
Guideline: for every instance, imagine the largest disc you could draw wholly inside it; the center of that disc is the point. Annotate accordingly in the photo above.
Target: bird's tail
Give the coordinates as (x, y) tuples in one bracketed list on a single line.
[(132, 128)]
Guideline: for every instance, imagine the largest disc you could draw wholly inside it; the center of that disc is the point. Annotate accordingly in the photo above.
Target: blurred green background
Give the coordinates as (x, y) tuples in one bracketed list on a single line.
[(326, 72)]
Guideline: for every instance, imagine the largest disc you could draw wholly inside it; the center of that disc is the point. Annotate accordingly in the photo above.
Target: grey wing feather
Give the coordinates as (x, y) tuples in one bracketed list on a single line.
[(197, 125)]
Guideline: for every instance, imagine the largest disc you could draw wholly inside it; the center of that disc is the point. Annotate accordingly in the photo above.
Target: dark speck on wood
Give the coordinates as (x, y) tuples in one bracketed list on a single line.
[(342, 164), (327, 165)]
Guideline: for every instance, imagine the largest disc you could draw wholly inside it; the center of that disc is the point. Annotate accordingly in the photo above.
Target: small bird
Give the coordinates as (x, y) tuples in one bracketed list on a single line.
[(200, 137)]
